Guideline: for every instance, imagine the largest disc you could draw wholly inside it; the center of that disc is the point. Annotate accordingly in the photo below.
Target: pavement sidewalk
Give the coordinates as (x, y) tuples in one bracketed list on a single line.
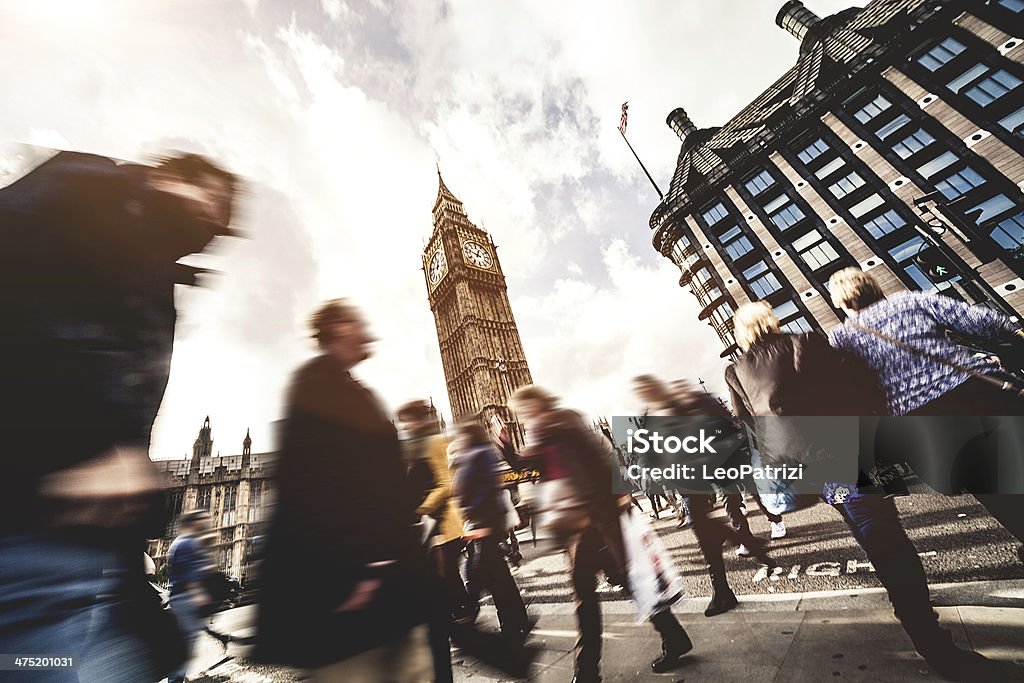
[(812, 638)]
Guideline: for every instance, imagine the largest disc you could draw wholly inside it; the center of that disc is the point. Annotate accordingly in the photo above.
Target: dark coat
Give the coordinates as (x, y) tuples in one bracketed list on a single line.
[(87, 275), (588, 459), (789, 376), (343, 502), (475, 485)]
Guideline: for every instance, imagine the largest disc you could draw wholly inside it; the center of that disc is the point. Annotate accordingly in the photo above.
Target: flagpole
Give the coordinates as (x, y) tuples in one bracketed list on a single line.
[(635, 156)]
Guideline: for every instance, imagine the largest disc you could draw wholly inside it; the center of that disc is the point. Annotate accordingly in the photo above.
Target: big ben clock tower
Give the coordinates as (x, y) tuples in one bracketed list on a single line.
[(481, 351)]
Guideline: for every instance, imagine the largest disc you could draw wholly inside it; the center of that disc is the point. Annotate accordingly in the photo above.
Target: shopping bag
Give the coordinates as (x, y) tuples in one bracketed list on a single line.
[(654, 581)]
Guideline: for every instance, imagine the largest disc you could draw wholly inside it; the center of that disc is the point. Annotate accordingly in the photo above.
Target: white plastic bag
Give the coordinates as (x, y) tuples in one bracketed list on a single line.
[(654, 581), (512, 520)]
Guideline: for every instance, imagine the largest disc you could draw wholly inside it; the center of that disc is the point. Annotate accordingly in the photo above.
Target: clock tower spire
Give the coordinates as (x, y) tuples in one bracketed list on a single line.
[(481, 351)]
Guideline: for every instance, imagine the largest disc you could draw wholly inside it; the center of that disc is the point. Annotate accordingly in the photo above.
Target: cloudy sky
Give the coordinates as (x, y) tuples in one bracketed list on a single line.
[(336, 111)]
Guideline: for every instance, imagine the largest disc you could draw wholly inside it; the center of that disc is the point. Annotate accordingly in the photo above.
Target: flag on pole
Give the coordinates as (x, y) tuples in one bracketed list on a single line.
[(625, 115)]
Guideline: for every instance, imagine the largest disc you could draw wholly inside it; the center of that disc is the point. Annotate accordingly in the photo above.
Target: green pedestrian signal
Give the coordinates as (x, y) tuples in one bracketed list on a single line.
[(936, 265)]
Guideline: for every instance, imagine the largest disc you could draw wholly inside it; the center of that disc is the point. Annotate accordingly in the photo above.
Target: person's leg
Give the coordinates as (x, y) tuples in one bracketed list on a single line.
[(875, 524), (584, 563), (507, 599), (184, 609), (769, 515), (674, 641), (459, 603), (709, 539), (736, 517), (439, 624)]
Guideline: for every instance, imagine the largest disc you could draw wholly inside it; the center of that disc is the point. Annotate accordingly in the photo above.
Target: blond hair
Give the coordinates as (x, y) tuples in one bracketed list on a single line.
[(533, 394), (754, 321), (853, 289)]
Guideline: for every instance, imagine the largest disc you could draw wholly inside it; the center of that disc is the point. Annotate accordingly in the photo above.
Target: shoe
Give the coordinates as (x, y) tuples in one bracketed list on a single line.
[(778, 529), (744, 551), (721, 601), (580, 678), (682, 523), (743, 509), (671, 654)]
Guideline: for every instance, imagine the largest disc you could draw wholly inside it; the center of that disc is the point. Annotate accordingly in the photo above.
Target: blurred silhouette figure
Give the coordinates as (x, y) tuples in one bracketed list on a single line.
[(711, 532), (87, 275), (426, 450), (580, 510), (189, 565), (344, 510), (481, 498), (799, 375), (903, 338)]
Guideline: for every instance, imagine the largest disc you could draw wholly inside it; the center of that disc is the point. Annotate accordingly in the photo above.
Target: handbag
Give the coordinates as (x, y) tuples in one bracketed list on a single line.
[(1012, 383)]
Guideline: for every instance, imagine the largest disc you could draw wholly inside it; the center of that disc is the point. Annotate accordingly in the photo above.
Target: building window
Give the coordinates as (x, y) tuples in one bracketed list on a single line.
[(715, 213), (814, 250), (797, 326), (203, 499), (872, 109), (866, 205), (721, 314), (846, 185), (813, 151), (990, 209), (930, 168), (1009, 234), (761, 285), (830, 168), (783, 212), (882, 225), (913, 143), (941, 54), (959, 183), (1016, 6), (735, 242), (760, 182), (893, 126), (786, 309), (983, 84), (1014, 121)]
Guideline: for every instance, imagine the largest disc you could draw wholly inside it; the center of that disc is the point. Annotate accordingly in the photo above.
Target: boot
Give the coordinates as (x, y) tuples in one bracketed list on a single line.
[(675, 643), (722, 597)]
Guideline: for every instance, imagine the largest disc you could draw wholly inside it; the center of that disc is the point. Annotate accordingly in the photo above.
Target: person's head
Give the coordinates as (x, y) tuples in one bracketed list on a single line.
[(651, 390), (195, 522), (683, 391), (852, 289), (470, 433), (340, 330), (416, 417), (753, 322), (208, 189), (530, 402)]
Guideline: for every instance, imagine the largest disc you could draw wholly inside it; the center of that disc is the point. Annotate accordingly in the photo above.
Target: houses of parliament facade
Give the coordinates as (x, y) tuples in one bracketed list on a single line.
[(234, 489)]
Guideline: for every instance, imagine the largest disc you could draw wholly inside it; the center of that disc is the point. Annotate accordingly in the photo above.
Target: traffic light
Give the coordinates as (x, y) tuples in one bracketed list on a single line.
[(936, 265)]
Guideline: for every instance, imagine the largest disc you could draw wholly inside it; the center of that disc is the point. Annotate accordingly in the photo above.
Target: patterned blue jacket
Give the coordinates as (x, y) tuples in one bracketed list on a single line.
[(909, 379)]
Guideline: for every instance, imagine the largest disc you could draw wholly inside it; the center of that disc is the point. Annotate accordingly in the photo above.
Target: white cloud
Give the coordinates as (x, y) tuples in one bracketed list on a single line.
[(344, 120)]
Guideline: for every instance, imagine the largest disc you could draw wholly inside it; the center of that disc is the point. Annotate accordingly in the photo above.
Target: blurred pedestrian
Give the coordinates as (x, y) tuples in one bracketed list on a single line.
[(427, 448), (785, 375), (579, 508), (711, 532), (344, 511), (87, 276), (904, 339), (189, 564), (482, 500)]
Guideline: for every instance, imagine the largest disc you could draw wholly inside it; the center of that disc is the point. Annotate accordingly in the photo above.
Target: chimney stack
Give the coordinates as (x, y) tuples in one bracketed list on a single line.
[(680, 123), (796, 18)]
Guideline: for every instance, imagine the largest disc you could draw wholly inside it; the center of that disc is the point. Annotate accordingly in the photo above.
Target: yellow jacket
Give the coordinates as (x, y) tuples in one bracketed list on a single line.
[(440, 497)]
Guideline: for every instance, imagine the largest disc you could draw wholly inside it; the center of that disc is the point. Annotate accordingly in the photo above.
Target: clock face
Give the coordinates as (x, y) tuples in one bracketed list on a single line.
[(437, 268), (477, 254)]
